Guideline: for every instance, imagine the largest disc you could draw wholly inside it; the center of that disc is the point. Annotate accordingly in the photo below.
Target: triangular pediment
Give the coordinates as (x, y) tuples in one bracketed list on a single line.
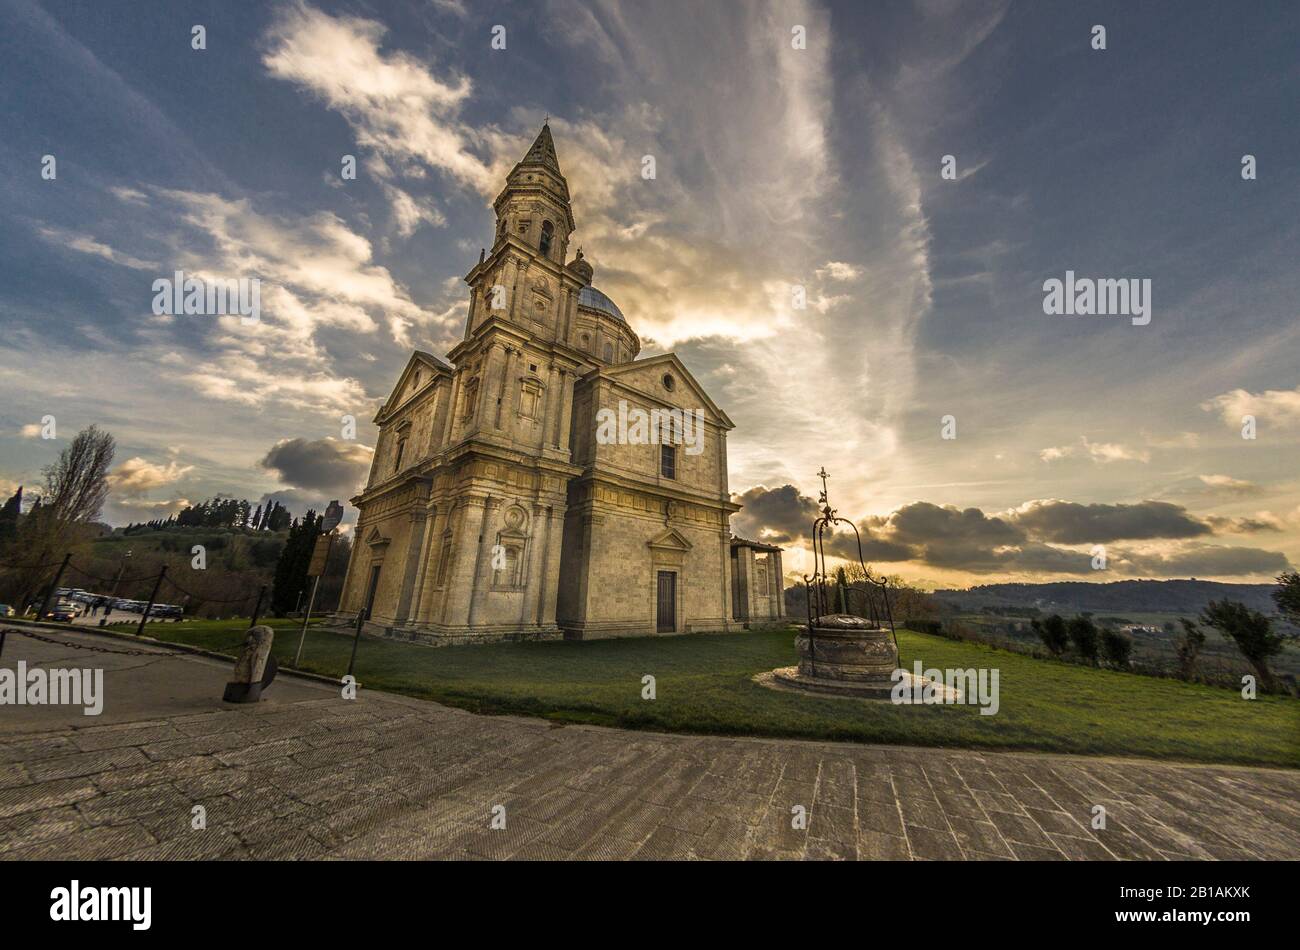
[(684, 382), (670, 540), (374, 539), (428, 366)]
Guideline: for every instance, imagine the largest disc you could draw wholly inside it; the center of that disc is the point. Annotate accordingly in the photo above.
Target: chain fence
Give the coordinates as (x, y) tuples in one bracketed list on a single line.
[(108, 601), (93, 649)]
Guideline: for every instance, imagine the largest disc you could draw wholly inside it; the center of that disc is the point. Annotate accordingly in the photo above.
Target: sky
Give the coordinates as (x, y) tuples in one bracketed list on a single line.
[(915, 169)]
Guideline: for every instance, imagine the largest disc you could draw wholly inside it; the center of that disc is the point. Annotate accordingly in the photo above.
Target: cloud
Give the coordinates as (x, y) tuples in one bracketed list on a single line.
[(86, 244), (1072, 523), (316, 274), (1205, 560), (136, 476), (324, 465), (1259, 523), (409, 212), (1096, 451), (776, 516), (149, 509), (838, 270), (1226, 484), (1278, 406), (1039, 538), (129, 195), (393, 101), (31, 431)]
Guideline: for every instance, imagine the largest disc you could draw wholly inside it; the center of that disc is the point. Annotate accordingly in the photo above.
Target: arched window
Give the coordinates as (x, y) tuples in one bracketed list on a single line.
[(548, 231), (609, 352)]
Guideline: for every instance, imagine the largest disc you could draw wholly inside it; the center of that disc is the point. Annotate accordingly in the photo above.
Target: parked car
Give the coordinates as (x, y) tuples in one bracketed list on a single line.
[(62, 612)]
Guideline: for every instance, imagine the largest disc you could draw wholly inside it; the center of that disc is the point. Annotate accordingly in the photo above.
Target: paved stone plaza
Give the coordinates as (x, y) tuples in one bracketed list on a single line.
[(307, 774)]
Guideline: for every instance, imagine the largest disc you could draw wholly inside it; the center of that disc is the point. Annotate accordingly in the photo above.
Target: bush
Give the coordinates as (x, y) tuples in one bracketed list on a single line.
[(1116, 646), (1052, 632), (1083, 634)]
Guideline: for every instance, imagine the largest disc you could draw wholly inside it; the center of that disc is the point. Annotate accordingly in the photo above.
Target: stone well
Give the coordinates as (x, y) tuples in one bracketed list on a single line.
[(842, 655)]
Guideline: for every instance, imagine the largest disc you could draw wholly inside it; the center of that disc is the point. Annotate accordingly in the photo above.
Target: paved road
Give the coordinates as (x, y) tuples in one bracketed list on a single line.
[(308, 774)]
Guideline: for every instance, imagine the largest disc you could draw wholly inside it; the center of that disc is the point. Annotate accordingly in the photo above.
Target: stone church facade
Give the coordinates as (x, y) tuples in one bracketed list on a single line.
[(494, 509)]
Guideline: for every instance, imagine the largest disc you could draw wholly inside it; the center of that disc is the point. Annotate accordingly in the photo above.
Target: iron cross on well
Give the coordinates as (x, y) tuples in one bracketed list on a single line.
[(823, 476)]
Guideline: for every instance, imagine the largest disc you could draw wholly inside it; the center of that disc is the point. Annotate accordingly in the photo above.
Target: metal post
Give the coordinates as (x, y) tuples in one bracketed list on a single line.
[(310, 603), (144, 617), (257, 611), (361, 619), (45, 604), (121, 568)]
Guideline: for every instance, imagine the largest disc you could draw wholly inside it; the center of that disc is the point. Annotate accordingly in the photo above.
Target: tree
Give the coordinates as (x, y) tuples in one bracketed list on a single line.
[(1287, 596), (1188, 647), (1116, 646), (9, 518), (1253, 633), (76, 485), (1052, 632), (1083, 634), (295, 559)]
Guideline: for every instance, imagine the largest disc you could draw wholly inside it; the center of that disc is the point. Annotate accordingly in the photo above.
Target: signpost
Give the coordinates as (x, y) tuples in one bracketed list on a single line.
[(319, 557)]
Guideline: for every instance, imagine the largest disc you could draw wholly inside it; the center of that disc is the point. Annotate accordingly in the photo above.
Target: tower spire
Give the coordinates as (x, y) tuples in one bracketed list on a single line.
[(536, 178), (542, 151)]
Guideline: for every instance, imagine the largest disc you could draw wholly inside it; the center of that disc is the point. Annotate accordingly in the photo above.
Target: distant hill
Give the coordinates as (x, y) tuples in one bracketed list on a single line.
[(1185, 596)]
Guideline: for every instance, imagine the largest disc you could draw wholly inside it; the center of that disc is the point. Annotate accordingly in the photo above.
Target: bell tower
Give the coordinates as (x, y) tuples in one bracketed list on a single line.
[(523, 279), (514, 368), (534, 205)]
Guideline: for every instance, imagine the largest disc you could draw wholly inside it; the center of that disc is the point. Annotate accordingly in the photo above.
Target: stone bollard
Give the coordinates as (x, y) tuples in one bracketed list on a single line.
[(254, 669)]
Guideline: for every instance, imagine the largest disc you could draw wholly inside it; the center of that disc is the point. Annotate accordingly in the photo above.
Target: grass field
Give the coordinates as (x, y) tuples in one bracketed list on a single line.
[(704, 686)]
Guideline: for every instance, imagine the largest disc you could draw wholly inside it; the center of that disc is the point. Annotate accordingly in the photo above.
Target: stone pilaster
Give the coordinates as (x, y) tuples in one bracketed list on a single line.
[(780, 586), (747, 572), (487, 389), (453, 410), (514, 370), (539, 530), (464, 553), (725, 544), (566, 409), (481, 579), (550, 417)]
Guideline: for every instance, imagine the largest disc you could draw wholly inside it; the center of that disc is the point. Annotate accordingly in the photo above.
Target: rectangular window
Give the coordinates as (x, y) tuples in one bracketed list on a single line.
[(668, 461), (530, 400), (401, 450)]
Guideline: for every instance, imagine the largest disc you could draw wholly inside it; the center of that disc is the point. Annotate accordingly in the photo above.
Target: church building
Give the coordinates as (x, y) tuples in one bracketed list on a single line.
[(542, 482)]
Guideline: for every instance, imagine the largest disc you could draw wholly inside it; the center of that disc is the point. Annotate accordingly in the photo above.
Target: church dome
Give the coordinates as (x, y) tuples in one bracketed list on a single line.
[(593, 299)]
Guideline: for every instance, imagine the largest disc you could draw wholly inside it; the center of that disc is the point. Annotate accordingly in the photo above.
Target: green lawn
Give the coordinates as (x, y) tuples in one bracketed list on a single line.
[(703, 685)]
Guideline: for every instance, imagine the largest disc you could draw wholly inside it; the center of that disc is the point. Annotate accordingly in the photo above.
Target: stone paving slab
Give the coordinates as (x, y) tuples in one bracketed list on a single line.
[(310, 775)]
